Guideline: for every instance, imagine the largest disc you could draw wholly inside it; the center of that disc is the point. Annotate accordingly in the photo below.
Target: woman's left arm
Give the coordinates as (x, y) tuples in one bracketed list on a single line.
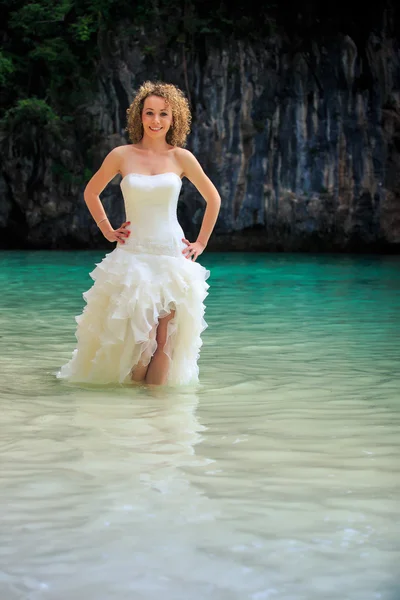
[(193, 171)]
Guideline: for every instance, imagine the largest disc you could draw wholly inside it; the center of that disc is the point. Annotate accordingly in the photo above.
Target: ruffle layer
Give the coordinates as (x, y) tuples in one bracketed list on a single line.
[(117, 328)]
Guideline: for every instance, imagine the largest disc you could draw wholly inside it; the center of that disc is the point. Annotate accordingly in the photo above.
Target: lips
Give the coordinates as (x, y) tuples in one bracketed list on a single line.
[(155, 128)]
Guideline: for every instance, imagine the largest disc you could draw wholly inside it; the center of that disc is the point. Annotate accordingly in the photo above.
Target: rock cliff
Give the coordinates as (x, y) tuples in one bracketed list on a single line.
[(302, 141)]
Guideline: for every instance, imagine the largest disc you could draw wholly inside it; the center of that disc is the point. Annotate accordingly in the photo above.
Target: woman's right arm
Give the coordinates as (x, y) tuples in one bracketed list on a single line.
[(108, 170)]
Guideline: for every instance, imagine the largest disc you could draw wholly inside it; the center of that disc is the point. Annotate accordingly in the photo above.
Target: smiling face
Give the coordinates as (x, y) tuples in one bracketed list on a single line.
[(156, 117)]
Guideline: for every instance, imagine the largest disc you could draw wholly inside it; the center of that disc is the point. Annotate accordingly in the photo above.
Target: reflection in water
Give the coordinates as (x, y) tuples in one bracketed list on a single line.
[(103, 485), (119, 492), (277, 477)]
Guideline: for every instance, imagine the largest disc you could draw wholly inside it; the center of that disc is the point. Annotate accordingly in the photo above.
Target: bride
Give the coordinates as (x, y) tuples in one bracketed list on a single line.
[(145, 312)]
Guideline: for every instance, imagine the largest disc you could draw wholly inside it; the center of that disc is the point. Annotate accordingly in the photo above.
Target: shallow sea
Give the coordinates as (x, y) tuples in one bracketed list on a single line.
[(277, 477)]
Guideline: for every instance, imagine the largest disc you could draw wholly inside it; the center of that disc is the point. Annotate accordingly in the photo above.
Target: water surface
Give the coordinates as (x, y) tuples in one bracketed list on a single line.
[(277, 477)]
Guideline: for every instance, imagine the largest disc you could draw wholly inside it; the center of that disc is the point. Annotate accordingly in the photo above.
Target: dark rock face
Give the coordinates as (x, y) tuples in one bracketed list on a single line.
[(304, 148)]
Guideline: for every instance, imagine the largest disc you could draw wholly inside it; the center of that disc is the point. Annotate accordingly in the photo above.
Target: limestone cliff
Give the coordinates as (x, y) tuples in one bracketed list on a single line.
[(302, 143)]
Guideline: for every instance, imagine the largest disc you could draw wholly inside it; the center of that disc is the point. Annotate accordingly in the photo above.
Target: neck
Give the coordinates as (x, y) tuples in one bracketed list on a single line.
[(151, 145)]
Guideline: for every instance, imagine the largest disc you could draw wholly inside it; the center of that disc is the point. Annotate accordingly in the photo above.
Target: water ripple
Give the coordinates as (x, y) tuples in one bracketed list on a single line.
[(277, 477)]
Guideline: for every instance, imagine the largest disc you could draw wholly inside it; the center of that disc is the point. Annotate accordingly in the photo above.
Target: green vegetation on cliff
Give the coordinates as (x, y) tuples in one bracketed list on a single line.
[(50, 52)]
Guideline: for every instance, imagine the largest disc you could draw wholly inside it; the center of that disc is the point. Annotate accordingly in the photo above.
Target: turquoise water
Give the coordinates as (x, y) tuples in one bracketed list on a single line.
[(277, 477)]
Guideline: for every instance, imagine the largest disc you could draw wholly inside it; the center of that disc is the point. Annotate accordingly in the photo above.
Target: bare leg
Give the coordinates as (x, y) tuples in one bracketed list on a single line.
[(157, 373), (139, 371)]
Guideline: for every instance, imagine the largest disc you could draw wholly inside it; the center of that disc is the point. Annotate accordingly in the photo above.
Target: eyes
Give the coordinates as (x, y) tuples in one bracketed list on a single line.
[(163, 114)]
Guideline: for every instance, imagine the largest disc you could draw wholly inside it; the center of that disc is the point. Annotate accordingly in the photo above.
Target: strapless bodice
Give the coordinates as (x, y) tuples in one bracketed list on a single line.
[(151, 206)]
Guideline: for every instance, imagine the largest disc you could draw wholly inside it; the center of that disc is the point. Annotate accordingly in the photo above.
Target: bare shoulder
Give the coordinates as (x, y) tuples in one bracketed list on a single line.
[(188, 162), (114, 156), (120, 150), (183, 153), (110, 167), (113, 159), (193, 170)]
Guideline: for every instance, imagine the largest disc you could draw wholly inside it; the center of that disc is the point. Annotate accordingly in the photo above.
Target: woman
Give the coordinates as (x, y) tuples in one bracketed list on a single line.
[(144, 314)]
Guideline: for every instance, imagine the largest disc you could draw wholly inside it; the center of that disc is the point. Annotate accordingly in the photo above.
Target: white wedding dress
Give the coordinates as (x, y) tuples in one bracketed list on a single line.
[(135, 285)]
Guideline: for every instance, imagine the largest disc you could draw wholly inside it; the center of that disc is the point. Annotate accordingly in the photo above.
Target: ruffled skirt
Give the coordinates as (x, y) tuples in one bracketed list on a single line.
[(117, 328)]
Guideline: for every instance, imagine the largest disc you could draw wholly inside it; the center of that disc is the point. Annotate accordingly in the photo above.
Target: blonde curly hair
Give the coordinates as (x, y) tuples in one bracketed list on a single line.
[(181, 116)]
